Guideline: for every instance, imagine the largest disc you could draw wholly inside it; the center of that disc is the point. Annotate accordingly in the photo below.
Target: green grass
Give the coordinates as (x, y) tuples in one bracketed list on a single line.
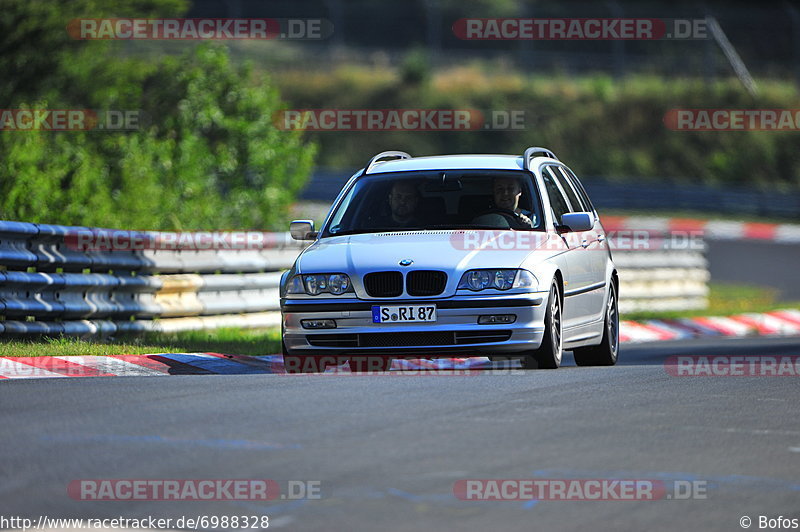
[(229, 341), (724, 300)]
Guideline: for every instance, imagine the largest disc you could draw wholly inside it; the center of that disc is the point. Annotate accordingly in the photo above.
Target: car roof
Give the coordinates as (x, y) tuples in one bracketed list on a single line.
[(453, 162)]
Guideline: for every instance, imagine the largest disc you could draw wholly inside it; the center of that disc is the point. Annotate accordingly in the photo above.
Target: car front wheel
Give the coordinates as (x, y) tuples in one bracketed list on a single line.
[(548, 356)]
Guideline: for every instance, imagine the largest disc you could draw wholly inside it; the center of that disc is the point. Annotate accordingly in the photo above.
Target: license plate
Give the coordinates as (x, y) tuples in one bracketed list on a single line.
[(403, 314)]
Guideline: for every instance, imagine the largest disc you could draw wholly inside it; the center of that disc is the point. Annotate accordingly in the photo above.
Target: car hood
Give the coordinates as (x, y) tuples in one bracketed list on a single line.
[(450, 251)]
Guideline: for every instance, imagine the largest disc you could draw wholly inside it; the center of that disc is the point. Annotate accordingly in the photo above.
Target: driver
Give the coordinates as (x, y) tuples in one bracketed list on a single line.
[(403, 202), (506, 193)]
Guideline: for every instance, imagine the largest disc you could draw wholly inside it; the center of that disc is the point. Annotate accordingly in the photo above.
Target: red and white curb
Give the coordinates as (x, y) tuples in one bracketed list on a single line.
[(776, 323), (185, 364), (711, 229)]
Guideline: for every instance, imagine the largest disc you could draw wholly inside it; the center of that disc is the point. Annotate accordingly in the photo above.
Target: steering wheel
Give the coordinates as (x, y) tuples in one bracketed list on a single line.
[(495, 216)]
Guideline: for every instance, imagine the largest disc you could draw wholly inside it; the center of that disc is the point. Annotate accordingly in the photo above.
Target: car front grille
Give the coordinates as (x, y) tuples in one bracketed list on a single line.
[(398, 339), (383, 284), (408, 339), (425, 283), (418, 283)]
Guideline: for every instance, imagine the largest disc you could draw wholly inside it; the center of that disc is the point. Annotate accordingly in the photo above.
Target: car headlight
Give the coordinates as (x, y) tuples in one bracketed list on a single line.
[(504, 279), (477, 279), (315, 284), (319, 283), (338, 283)]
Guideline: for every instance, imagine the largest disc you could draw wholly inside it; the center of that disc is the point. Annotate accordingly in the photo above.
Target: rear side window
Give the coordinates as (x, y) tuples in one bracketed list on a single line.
[(557, 200), (572, 178), (574, 202)]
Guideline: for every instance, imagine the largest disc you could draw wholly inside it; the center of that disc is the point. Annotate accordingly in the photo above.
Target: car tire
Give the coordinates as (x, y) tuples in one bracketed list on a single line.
[(549, 353), (607, 352), (361, 364)]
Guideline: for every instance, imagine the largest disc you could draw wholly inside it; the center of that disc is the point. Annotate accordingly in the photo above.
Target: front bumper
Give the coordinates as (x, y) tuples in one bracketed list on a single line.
[(456, 330)]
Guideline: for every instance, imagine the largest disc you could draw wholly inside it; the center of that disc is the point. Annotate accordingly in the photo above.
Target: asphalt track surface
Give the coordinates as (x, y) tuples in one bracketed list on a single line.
[(388, 448)]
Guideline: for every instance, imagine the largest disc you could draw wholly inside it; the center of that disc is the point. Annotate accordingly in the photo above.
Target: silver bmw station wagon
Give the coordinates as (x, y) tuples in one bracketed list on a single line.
[(456, 255)]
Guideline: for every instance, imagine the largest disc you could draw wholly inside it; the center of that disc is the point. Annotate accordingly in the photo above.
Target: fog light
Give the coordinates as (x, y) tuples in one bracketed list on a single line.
[(497, 318), (318, 324)]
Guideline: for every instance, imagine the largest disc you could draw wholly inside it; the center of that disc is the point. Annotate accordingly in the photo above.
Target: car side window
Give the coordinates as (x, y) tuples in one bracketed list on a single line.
[(573, 179), (557, 200), (574, 202)]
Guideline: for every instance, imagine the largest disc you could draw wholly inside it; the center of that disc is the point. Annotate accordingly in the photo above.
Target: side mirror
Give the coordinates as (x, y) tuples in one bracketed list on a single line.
[(578, 221), (302, 230)]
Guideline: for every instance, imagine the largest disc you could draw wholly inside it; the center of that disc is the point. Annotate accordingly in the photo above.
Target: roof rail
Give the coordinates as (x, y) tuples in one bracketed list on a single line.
[(383, 156), (531, 152)]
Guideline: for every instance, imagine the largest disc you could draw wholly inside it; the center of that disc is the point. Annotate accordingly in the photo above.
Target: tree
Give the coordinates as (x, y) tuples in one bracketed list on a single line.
[(206, 154)]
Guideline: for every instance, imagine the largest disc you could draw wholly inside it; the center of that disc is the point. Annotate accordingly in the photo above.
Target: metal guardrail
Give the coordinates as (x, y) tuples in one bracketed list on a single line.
[(662, 280), (51, 284)]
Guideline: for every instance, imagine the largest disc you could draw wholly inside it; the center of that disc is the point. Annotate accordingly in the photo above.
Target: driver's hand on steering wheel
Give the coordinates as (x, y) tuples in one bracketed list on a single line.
[(524, 219)]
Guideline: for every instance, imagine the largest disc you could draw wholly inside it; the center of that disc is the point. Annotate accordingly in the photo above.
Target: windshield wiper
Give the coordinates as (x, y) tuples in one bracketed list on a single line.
[(350, 232), (376, 230)]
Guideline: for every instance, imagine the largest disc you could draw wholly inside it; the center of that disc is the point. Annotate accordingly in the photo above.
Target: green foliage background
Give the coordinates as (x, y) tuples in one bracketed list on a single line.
[(599, 125), (206, 157)]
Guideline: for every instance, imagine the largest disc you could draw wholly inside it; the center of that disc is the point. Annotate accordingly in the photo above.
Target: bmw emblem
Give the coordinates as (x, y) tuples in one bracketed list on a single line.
[(406, 262)]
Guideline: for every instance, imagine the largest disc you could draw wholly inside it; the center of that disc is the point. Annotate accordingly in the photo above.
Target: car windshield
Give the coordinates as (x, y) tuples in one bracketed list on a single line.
[(438, 200)]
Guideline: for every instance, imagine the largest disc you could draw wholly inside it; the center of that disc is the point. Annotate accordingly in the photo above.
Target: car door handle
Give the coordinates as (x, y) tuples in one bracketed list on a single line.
[(601, 238), (584, 243)]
